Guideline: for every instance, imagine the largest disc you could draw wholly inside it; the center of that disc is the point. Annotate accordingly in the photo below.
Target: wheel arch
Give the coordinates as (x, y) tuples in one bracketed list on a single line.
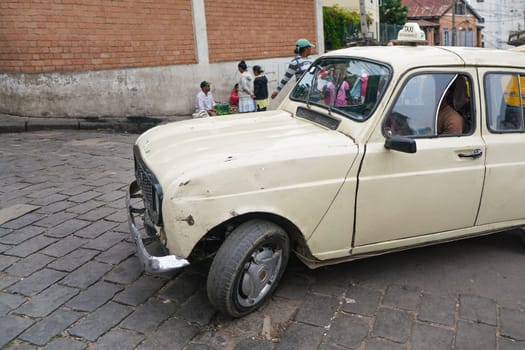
[(213, 239)]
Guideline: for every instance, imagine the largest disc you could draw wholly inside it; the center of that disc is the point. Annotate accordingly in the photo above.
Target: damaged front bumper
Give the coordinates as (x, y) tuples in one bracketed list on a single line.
[(152, 264)]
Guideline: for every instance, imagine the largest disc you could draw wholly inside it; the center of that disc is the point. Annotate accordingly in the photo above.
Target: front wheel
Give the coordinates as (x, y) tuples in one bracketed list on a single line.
[(247, 267)]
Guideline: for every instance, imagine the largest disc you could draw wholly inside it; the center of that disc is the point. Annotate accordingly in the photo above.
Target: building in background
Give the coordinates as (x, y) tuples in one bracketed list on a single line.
[(502, 18), (447, 22), (89, 58)]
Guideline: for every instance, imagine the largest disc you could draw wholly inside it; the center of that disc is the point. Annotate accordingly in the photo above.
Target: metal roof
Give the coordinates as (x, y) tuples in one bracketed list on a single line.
[(426, 8)]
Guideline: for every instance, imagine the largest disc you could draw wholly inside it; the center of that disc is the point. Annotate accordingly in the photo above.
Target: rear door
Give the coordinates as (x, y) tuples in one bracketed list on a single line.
[(504, 133)]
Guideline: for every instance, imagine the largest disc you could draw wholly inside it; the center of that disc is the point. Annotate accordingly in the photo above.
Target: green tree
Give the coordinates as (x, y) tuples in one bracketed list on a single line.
[(393, 12), (337, 23)]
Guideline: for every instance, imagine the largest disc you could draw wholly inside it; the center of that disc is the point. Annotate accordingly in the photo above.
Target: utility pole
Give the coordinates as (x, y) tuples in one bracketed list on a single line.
[(454, 23), (362, 15)]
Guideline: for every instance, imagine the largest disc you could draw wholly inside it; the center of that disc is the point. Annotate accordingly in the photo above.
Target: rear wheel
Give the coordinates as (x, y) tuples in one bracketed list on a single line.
[(247, 267)]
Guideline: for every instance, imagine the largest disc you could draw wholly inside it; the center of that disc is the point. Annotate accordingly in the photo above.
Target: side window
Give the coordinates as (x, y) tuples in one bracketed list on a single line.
[(505, 96), (431, 105)]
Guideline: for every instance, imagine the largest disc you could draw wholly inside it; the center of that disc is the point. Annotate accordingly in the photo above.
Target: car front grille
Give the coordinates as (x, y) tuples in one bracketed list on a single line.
[(150, 187)]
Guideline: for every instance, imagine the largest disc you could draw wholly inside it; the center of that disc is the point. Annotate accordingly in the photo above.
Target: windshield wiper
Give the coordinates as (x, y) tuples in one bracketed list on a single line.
[(314, 82)]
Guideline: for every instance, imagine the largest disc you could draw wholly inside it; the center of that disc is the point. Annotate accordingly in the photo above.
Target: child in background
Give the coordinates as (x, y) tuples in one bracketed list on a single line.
[(234, 98), (260, 89)]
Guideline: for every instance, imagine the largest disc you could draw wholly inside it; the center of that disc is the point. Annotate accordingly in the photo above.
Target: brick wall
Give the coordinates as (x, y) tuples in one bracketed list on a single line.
[(51, 35), (252, 29), (66, 35)]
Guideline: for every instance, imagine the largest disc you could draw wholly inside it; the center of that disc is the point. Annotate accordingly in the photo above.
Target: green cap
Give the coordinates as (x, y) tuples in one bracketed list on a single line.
[(304, 43)]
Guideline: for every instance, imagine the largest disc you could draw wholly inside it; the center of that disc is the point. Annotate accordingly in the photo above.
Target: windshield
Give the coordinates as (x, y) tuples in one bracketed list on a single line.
[(349, 86)]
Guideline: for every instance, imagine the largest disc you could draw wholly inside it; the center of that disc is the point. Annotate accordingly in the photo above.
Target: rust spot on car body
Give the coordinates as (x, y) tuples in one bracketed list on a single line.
[(189, 220)]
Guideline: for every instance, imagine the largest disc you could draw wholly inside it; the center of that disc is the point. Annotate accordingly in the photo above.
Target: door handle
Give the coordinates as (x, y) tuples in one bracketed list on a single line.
[(475, 154)]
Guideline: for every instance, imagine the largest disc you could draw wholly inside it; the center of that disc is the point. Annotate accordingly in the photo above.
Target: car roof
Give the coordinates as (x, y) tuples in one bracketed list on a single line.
[(402, 57)]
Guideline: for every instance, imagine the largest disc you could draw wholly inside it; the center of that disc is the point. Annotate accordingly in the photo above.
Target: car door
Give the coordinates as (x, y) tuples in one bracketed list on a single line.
[(504, 133), (438, 188)]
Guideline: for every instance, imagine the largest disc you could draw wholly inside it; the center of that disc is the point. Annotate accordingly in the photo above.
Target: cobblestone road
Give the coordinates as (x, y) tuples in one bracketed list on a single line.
[(69, 278)]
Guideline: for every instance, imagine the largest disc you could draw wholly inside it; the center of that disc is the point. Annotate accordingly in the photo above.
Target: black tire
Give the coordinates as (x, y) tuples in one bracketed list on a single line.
[(257, 249)]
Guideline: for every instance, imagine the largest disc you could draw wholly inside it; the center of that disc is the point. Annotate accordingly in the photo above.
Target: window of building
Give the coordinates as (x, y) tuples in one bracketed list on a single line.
[(462, 37), (446, 37), (470, 38), (460, 8)]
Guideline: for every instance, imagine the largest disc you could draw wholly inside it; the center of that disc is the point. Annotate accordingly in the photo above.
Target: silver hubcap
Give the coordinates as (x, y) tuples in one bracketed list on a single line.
[(260, 272)]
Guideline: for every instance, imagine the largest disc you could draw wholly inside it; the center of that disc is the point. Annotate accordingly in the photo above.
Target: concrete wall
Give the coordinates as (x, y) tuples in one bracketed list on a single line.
[(88, 74), (167, 90)]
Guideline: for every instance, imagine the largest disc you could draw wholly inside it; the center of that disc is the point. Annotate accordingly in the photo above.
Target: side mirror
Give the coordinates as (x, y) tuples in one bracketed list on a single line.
[(401, 144)]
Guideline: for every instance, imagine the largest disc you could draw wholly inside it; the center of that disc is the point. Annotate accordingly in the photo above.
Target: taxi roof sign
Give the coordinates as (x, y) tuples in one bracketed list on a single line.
[(411, 33)]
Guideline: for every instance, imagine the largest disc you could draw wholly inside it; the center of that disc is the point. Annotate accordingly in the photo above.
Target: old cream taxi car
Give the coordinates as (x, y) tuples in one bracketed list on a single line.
[(376, 149)]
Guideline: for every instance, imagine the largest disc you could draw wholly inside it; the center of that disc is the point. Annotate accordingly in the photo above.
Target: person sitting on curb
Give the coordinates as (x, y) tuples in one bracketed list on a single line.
[(234, 99), (204, 102)]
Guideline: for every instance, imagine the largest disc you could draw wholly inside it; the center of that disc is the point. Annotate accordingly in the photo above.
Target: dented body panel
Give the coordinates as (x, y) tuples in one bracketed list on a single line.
[(215, 168)]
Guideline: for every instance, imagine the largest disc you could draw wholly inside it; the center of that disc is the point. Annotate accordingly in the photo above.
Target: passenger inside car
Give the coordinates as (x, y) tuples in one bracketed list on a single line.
[(453, 112), (462, 101)]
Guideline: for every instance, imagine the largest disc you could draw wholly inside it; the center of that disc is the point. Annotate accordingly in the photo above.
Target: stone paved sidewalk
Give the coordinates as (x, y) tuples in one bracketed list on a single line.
[(69, 278)]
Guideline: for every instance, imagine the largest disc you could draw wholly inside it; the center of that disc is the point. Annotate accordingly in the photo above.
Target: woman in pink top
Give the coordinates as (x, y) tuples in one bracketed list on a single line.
[(341, 93)]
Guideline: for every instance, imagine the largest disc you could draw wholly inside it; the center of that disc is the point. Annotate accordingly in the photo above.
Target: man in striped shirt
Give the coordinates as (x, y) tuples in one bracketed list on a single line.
[(298, 65)]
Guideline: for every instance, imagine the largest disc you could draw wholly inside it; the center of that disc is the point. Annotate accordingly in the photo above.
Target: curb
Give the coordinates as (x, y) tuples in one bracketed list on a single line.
[(18, 124)]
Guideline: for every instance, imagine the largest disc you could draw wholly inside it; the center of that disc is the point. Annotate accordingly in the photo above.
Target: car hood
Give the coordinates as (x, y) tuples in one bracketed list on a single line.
[(244, 152)]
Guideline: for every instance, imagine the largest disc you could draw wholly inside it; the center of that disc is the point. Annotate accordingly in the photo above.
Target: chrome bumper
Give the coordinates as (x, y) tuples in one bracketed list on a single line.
[(152, 264)]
